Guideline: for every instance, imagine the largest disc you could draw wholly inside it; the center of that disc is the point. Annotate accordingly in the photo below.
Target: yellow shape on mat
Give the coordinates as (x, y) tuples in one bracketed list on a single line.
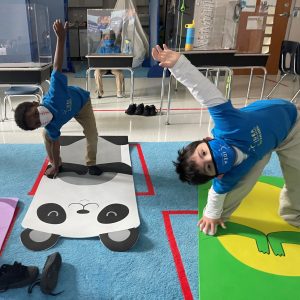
[(259, 210)]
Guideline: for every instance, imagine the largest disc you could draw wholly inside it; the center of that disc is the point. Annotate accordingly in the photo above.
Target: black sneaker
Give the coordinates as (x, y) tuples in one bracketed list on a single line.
[(139, 109), (146, 111), (94, 170), (131, 109), (16, 276), (49, 276), (153, 110)]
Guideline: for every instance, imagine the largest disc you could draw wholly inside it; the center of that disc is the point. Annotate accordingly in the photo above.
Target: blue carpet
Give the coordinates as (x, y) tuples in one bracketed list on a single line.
[(138, 73), (90, 270)]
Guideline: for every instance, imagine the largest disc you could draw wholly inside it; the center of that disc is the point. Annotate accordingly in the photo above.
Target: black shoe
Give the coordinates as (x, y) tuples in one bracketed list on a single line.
[(49, 276), (153, 110), (94, 170), (131, 109), (146, 111), (140, 109), (16, 276)]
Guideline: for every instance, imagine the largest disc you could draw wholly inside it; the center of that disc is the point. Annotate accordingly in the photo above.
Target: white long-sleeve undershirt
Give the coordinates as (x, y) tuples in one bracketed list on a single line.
[(203, 90)]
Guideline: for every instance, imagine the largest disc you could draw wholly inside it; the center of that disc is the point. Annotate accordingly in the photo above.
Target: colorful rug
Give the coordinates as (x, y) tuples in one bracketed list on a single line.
[(163, 263), (257, 256)]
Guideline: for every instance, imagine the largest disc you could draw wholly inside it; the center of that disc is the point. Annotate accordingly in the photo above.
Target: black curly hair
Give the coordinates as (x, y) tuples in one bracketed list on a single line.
[(20, 115), (186, 168)]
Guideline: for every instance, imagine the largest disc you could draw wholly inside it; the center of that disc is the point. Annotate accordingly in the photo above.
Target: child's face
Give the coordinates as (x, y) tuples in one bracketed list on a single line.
[(203, 159), (107, 37), (33, 117)]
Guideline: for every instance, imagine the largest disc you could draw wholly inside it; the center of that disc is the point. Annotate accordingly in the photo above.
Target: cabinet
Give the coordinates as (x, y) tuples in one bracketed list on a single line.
[(83, 42), (74, 42)]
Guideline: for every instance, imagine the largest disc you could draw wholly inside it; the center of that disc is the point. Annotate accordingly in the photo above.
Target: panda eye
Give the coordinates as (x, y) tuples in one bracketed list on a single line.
[(51, 213), (113, 213)]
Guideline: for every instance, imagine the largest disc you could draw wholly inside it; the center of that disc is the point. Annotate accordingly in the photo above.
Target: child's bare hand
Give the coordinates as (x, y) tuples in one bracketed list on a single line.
[(166, 57), (52, 172), (60, 29), (209, 226)]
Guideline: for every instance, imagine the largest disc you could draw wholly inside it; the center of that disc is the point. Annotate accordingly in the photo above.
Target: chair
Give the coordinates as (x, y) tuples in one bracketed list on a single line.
[(297, 69), (288, 67), (19, 91)]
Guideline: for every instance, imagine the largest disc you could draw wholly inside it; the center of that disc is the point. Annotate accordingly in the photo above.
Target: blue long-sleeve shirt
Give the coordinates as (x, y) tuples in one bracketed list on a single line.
[(254, 130)]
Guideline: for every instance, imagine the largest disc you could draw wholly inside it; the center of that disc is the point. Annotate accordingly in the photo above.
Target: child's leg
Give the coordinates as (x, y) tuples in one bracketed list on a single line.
[(119, 81), (47, 143), (98, 79), (243, 188), (86, 119), (289, 156)]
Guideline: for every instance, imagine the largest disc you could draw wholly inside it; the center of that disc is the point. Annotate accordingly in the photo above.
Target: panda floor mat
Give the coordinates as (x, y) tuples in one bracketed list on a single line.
[(79, 205), (256, 256)]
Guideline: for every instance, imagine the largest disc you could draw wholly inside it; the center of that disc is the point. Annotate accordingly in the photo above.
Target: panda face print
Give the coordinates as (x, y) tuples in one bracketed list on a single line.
[(79, 205)]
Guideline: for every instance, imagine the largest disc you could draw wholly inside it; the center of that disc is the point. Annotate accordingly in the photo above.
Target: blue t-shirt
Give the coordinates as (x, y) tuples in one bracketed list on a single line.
[(63, 101), (255, 129), (107, 50)]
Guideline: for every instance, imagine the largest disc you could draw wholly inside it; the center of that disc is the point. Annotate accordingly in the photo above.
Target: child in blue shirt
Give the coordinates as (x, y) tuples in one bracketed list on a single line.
[(243, 142), (108, 46), (60, 104)]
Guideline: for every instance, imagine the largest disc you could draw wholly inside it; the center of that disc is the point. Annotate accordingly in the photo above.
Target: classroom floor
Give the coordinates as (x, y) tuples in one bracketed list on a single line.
[(188, 121)]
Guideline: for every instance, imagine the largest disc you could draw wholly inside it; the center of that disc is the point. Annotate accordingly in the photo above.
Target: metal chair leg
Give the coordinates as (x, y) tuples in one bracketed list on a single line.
[(169, 101), (162, 90), (5, 104), (294, 97), (268, 96)]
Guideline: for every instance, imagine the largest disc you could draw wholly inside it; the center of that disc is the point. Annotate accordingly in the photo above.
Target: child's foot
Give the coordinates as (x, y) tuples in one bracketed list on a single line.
[(120, 95), (94, 170)]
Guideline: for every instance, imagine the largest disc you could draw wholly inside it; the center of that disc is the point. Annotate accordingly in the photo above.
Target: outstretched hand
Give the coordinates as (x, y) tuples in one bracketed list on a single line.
[(210, 226), (60, 29), (166, 57)]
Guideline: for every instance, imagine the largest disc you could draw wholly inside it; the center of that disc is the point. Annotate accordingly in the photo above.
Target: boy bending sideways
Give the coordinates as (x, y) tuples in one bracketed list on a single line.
[(60, 105), (243, 142)]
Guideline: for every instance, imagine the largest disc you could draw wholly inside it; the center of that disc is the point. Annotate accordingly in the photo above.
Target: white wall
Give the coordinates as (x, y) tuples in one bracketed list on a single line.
[(293, 32)]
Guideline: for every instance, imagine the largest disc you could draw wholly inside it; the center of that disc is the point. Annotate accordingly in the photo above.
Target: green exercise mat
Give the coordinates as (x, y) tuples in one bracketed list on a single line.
[(257, 256)]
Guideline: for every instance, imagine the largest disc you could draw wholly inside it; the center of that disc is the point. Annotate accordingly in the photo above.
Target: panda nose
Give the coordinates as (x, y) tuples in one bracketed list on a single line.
[(83, 211)]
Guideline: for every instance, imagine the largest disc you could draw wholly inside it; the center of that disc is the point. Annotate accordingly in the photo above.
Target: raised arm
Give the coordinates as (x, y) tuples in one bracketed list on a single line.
[(203, 90), (60, 31)]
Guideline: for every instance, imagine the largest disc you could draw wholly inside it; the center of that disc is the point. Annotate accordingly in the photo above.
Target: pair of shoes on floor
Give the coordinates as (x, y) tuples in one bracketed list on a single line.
[(141, 110), (18, 275)]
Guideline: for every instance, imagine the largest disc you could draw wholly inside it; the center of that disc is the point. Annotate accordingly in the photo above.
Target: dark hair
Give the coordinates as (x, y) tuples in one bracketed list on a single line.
[(20, 115), (186, 168), (111, 34)]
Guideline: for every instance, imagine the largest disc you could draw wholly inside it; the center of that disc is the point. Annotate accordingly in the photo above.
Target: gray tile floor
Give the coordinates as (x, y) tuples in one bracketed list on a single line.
[(188, 120)]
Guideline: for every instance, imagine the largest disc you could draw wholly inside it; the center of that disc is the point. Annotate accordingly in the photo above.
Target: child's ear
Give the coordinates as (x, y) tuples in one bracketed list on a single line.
[(220, 176)]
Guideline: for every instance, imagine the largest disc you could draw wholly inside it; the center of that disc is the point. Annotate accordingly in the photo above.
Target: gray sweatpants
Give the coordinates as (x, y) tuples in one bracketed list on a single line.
[(289, 202)]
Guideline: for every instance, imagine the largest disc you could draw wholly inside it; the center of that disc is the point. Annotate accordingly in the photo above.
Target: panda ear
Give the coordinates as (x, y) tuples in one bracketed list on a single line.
[(37, 240), (120, 241)]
